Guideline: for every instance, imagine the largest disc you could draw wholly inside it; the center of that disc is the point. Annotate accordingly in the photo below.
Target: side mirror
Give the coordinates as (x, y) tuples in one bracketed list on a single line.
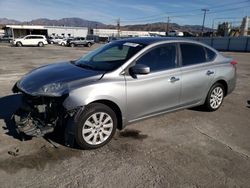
[(140, 69)]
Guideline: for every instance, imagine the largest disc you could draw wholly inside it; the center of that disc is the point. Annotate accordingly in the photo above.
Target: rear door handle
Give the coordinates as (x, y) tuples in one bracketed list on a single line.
[(173, 79), (210, 72)]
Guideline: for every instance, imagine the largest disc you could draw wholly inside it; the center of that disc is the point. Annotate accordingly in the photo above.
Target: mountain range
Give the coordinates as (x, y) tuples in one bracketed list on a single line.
[(79, 22)]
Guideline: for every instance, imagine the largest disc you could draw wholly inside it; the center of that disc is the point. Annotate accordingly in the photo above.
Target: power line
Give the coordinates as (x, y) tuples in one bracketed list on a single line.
[(155, 16), (228, 10)]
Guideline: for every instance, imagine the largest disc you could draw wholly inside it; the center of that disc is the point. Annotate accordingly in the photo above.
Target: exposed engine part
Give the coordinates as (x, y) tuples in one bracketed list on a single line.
[(30, 126), (38, 115)]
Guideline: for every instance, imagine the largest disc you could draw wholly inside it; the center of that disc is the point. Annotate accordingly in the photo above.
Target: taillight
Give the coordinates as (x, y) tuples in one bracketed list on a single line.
[(234, 63)]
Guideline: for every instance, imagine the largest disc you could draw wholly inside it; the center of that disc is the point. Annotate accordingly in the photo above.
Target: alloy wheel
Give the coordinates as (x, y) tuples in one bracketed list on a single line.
[(97, 128), (216, 97)]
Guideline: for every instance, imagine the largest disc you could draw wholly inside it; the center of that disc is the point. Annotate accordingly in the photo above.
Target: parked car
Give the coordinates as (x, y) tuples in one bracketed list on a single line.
[(56, 40), (189, 34), (81, 41), (65, 41), (120, 83), (30, 40), (50, 40), (175, 33)]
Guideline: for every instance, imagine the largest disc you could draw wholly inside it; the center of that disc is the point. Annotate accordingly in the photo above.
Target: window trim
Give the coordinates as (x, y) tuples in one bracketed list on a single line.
[(157, 46)]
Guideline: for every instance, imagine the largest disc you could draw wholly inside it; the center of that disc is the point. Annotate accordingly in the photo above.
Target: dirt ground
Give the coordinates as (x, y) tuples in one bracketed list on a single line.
[(189, 148)]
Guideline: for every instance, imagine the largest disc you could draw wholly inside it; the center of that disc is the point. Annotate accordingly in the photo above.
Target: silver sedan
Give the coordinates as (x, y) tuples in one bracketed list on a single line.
[(120, 83)]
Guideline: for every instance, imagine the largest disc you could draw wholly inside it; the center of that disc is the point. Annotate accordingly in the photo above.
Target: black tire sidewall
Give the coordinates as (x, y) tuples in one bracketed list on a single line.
[(19, 44), (85, 114), (207, 103)]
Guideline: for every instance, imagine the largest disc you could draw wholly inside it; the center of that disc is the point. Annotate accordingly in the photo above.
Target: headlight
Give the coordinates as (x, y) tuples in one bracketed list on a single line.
[(54, 89)]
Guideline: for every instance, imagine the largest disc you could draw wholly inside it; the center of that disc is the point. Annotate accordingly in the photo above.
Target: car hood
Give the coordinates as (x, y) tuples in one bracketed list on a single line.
[(65, 74)]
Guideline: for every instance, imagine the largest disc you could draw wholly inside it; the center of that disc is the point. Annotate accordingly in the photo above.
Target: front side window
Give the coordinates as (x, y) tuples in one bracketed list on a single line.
[(192, 54), (110, 56), (160, 58)]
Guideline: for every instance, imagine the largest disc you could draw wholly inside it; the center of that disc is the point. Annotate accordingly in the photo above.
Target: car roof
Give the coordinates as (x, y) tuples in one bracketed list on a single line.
[(151, 40)]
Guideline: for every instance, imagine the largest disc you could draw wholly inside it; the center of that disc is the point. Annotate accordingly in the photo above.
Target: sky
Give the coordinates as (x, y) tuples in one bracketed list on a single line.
[(183, 12)]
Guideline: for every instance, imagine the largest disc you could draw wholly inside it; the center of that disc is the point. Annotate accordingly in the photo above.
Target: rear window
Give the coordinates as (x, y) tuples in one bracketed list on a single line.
[(192, 54)]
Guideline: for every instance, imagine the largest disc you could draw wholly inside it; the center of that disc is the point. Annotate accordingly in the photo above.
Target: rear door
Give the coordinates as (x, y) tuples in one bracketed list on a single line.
[(197, 72), (157, 91)]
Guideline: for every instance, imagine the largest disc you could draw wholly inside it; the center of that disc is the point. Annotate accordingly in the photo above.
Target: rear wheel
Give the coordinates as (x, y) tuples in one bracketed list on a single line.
[(40, 44), (215, 97), (63, 44), (72, 45), (95, 126), (89, 44), (19, 44)]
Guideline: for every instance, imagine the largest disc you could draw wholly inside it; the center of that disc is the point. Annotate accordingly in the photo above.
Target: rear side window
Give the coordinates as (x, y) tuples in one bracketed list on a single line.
[(192, 54), (160, 58), (210, 54)]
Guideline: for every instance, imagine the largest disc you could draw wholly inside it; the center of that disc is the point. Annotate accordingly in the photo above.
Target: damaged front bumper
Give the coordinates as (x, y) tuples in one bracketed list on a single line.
[(39, 115)]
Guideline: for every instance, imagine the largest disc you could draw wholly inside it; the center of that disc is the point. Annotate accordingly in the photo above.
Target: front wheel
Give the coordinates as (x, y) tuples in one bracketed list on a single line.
[(19, 44), (72, 45), (215, 97), (95, 126)]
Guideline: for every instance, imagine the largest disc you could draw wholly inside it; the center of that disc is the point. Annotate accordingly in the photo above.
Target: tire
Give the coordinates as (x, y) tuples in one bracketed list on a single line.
[(215, 97), (90, 132), (72, 45), (40, 44), (88, 44), (63, 44), (19, 44)]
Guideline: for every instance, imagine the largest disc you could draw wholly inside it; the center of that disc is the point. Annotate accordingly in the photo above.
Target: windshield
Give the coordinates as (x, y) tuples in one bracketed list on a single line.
[(110, 56)]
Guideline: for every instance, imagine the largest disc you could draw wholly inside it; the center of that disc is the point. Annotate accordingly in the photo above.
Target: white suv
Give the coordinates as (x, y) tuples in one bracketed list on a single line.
[(31, 40)]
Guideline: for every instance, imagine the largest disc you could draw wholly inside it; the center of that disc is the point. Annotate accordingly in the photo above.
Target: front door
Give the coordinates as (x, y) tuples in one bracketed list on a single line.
[(157, 91)]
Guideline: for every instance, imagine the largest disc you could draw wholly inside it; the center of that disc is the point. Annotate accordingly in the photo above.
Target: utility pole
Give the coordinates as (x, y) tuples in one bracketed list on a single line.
[(118, 27), (204, 18), (167, 26)]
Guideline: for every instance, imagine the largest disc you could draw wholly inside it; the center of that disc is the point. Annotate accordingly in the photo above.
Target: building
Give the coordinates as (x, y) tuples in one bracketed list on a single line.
[(67, 31), (244, 26), (106, 33), (22, 30), (1, 32)]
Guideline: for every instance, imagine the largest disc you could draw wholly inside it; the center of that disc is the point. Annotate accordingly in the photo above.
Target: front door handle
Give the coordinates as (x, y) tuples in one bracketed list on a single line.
[(173, 79), (210, 72)]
